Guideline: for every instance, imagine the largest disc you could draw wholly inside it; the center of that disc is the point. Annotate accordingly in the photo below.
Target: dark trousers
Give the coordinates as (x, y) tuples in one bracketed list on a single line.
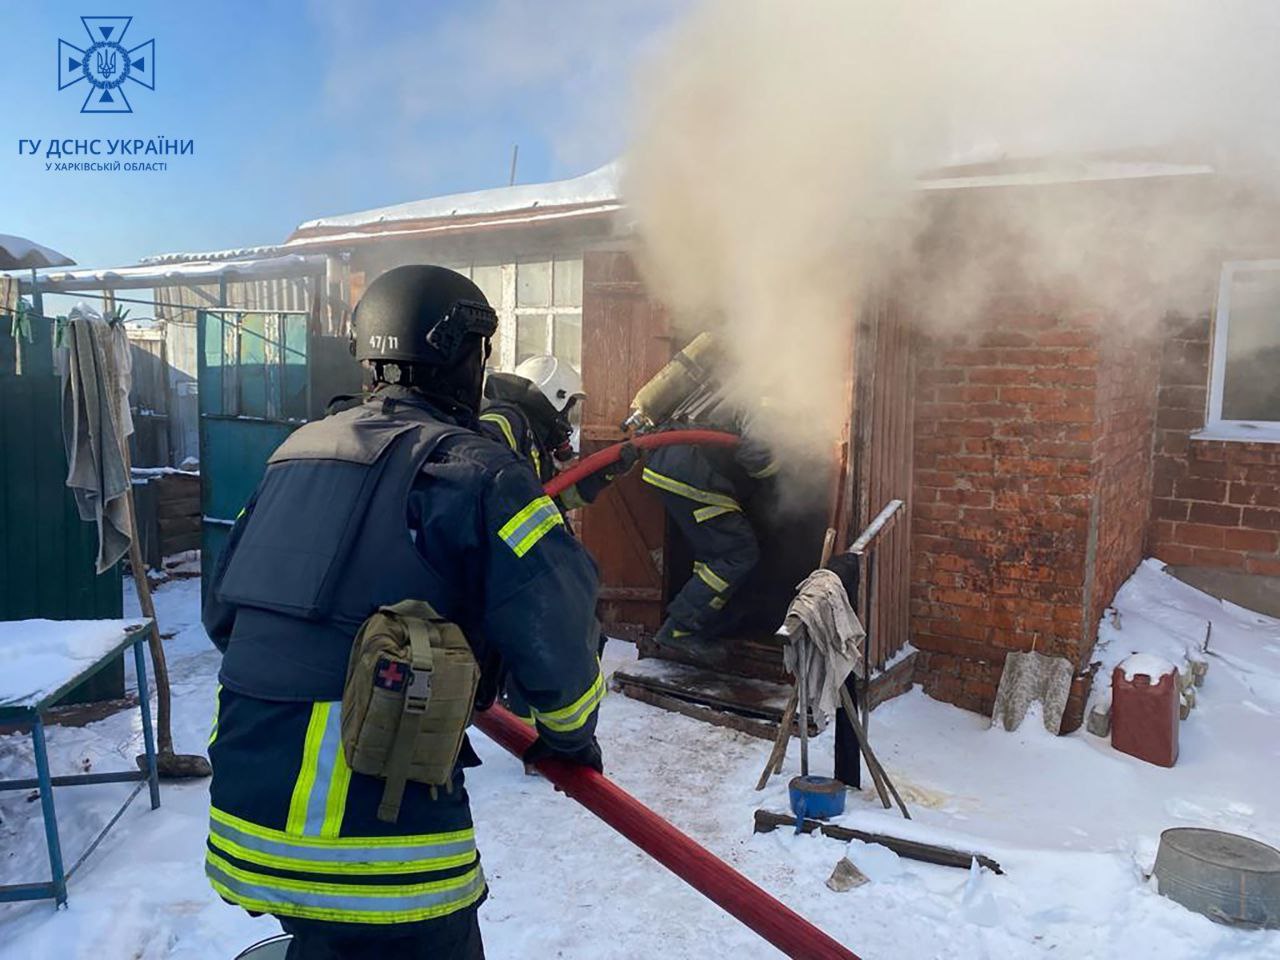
[(726, 546), (455, 937)]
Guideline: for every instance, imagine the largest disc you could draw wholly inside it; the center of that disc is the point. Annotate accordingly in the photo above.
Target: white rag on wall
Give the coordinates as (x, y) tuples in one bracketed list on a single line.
[(95, 423), (822, 614)]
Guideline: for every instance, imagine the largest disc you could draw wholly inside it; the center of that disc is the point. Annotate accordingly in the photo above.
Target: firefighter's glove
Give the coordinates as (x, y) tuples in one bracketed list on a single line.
[(628, 456), (587, 756)]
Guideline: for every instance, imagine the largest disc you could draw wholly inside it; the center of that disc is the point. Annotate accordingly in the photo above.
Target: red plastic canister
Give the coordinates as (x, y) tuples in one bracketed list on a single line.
[(1144, 716)]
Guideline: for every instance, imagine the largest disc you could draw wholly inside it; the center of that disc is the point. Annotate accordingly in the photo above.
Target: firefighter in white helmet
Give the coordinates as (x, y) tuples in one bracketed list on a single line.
[(534, 411)]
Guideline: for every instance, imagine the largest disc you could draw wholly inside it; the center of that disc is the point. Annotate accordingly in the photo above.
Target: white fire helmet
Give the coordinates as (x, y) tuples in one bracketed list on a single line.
[(558, 381)]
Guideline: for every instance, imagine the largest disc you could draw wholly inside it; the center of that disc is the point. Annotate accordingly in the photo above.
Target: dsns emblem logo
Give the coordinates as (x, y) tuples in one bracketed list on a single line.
[(107, 63)]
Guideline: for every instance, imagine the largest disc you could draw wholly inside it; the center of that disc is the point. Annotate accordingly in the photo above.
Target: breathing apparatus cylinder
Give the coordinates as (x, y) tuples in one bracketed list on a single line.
[(684, 374)]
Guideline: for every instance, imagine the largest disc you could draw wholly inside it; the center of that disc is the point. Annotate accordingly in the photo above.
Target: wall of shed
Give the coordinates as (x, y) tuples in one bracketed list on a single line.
[(1019, 476), (1216, 503)]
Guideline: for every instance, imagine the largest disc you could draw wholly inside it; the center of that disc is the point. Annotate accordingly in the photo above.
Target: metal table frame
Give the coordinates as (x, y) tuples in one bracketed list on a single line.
[(56, 888)]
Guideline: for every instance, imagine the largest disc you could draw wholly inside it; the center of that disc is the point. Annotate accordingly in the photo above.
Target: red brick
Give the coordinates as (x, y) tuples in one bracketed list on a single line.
[(1217, 514), (1003, 375), (1252, 541), (1199, 535), (1230, 559), (1259, 518), (1197, 488), (1255, 495), (1263, 566)]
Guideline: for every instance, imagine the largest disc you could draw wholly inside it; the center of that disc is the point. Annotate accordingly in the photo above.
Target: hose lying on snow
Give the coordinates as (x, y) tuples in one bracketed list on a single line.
[(649, 441), (696, 866)]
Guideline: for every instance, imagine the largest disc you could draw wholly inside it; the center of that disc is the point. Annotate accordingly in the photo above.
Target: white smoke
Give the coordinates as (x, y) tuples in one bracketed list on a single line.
[(776, 164)]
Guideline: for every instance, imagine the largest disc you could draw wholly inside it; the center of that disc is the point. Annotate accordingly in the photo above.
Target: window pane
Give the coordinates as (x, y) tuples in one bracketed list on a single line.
[(531, 336), (569, 339), (295, 366), (1251, 389), (253, 365), (489, 280), (568, 283), (533, 284)]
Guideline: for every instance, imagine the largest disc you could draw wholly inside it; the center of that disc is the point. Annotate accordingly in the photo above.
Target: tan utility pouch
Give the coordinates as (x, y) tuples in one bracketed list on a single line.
[(411, 686)]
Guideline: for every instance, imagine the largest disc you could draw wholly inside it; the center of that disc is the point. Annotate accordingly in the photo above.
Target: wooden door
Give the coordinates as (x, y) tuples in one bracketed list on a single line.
[(624, 342), (883, 424)]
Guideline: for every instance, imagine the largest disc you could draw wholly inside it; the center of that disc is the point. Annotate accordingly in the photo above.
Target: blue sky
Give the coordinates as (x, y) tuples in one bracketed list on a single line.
[(301, 109)]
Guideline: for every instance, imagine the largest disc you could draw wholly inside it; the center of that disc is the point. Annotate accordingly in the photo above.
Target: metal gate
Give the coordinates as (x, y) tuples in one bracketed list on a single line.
[(254, 391)]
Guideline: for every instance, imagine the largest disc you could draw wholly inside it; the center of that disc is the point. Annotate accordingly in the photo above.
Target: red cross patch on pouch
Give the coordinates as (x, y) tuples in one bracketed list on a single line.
[(390, 675)]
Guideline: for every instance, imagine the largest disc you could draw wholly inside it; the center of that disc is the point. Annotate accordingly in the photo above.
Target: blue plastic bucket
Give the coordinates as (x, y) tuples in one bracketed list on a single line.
[(819, 797)]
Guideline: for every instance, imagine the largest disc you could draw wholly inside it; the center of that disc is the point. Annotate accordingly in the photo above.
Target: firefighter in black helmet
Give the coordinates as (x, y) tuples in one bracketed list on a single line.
[(397, 498)]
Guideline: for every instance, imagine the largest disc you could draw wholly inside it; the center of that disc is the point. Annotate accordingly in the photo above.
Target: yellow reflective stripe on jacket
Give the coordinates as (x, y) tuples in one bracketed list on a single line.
[(772, 468), (712, 579), (217, 708), (389, 848), (717, 603), (522, 532), (575, 715), (344, 902), (671, 485), (505, 426), (355, 855), (319, 798), (710, 513)]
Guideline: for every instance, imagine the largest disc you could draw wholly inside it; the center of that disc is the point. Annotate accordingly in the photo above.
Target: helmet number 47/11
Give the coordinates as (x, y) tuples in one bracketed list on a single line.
[(382, 341)]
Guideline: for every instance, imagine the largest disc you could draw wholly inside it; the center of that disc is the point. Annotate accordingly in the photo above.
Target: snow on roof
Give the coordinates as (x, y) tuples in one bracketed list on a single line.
[(233, 253), (600, 186), (159, 274), (26, 253)]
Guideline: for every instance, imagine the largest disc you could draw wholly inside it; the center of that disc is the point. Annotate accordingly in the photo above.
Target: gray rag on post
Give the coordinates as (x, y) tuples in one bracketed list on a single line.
[(822, 614), (95, 422)]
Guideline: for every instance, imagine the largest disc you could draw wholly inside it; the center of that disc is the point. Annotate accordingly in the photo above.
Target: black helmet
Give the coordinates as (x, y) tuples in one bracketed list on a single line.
[(420, 315)]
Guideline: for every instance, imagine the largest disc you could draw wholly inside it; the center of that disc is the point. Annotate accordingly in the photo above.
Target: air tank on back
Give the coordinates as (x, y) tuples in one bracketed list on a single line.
[(686, 372)]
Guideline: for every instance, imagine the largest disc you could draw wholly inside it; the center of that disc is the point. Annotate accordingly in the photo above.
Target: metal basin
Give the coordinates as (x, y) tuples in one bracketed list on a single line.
[(1228, 878)]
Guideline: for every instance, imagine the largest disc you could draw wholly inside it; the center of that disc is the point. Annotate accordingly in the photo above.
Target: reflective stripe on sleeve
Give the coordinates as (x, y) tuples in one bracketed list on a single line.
[(575, 715), (769, 470), (344, 902), (522, 532), (671, 485), (504, 425), (710, 513), (708, 576)]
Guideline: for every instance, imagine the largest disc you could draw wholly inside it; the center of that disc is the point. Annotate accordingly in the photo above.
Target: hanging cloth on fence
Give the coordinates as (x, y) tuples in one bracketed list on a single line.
[(835, 637), (95, 422)]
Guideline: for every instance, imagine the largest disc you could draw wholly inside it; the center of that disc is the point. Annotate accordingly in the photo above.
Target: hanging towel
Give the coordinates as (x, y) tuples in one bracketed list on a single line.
[(821, 615), (8, 296), (95, 423)]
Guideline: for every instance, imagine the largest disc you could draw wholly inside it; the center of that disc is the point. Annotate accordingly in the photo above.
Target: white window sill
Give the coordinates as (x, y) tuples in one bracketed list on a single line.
[(1240, 432)]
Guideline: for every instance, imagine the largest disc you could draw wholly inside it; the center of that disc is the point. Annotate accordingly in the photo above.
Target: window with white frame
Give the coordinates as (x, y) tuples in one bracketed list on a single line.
[(539, 306), (1244, 386)]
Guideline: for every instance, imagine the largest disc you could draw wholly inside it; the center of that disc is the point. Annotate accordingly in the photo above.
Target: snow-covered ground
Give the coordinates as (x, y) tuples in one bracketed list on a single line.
[(1074, 824)]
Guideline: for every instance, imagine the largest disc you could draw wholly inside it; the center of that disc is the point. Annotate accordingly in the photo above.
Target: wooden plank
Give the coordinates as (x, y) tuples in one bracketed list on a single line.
[(754, 698), (766, 822), (185, 507), (763, 729)]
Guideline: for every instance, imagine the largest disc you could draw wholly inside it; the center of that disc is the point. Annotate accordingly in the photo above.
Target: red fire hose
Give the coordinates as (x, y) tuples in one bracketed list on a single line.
[(649, 441), (696, 866)]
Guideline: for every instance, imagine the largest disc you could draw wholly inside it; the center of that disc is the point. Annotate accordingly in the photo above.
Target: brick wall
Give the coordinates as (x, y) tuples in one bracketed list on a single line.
[(1031, 492), (1215, 503), (1004, 447), (1124, 417)]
